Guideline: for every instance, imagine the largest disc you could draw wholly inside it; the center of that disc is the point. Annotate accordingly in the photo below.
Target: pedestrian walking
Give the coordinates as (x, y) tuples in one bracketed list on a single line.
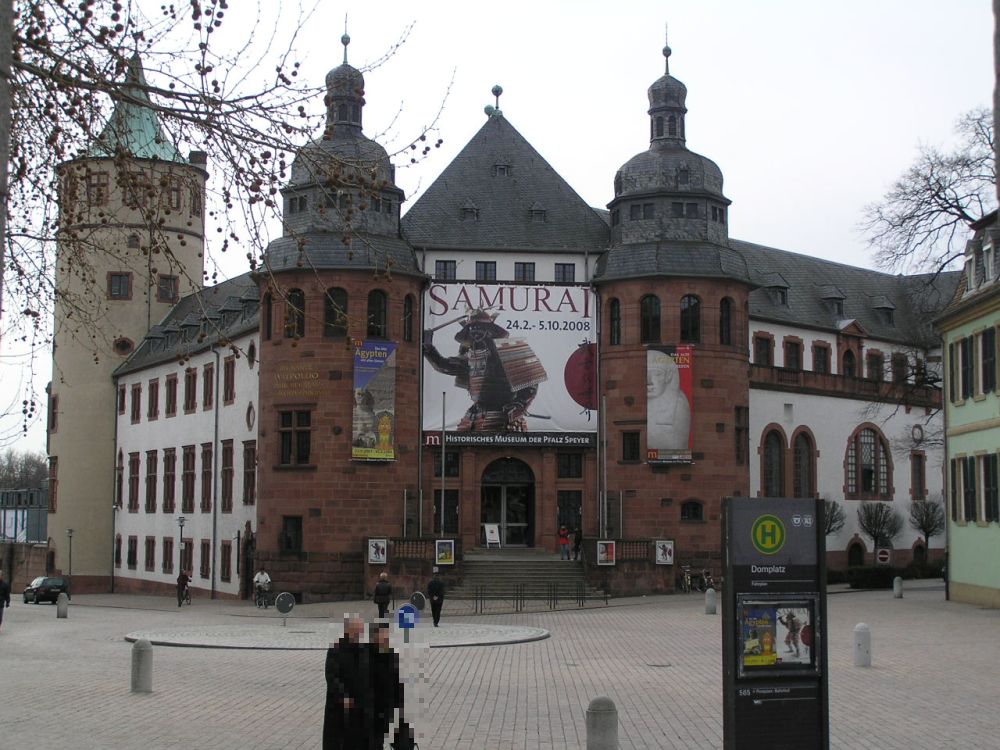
[(182, 583), (348, 682), (4, 596), (563, 543), (383, 594), (435, 589), (387, 689), (577, 542)]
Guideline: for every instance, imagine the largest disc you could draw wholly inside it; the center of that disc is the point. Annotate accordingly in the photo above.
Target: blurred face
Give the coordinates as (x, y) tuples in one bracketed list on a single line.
[(382, 637), (354, 627)]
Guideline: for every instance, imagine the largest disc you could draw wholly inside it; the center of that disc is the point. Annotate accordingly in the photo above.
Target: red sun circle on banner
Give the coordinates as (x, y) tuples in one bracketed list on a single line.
[(580, 375)]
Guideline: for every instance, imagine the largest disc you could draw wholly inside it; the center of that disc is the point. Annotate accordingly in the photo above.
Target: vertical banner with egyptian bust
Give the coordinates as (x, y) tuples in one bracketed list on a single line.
[(373, 428), (669, 390)]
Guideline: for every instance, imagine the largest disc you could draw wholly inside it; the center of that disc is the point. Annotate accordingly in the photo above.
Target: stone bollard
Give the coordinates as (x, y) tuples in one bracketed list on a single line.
[(602, 725), (142, 666), (62, 606), (862, 645), (897, 587), (710, 602)]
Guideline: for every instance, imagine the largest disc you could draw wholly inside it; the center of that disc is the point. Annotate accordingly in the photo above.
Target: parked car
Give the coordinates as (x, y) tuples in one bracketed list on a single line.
[(46, 589)]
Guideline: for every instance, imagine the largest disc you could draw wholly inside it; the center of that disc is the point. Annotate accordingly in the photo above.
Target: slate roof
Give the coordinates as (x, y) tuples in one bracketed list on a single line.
[(916, 298), (503, 202), (223, 311), (327, 250), (671, 258)]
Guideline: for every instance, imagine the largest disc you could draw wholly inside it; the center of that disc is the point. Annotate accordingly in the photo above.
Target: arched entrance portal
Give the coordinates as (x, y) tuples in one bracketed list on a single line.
[(508, 499)]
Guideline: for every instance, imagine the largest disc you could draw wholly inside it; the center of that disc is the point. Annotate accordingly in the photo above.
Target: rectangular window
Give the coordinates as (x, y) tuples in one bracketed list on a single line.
[(170, 405), (876, 365), (691, 210), (969, 488), (121, 399), (569, 465), (524, 272), (821, 359), (153, 400), (168, 555), (208, 386), (167, 288), (151, 460), (226, 561), (635, 212), (990, 506), (451, 463), (98, 188), (486, 270), (249, 472), (616, 217), (132, 558), (133, 482), (952, 372), (187, 479), (53, 482), (900, 368), (190, 390), (762, 351), (988, 344), (565, 273), (450, 511), (630, 447), (118, 551), (119, 286), (206, 558), (169, 478), (295, 432), (150, 552), (444, 270), (967, 366), (206, 477), (648, 211), (918, 475), (227, 476), (187, 555), (53, 413), (741, 421), (136, 403), (793, 355), (229, 380), (291, 534), (953, 486), (677, 210)]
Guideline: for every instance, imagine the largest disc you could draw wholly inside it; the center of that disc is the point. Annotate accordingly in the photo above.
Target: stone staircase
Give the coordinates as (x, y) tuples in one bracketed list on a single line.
[(499, 574)]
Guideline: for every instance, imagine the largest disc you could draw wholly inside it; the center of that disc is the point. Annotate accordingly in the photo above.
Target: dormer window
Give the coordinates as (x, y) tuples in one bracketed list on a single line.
[(501, 170), (838, 306), (782, 295), (659, 127), (536, 213), (987, 263), (297, 204), (683, 176), (470, 213), (672, 126)]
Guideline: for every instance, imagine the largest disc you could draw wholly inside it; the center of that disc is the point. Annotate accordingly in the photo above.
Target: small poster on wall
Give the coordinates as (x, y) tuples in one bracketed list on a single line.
[(605, 552), (378, 551), (444, 551), (664, 551)]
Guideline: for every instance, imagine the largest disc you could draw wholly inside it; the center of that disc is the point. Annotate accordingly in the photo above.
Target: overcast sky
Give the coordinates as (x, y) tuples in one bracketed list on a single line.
[(810, 109)]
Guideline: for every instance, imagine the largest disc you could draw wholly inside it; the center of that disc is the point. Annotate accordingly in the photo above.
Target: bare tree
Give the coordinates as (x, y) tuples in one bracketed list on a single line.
[(22, 469), (922, 222), (927, 517), (834, 517), (880, 522)]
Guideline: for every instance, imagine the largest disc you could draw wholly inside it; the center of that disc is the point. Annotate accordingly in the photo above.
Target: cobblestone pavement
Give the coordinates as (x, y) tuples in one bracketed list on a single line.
[(65, 683)]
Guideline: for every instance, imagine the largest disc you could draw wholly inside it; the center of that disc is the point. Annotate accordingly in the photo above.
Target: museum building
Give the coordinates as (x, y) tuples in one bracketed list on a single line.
[(502, 360)]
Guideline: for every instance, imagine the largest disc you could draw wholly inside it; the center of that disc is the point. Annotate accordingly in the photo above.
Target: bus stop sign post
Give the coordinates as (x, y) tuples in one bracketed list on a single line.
[(407, 617), (774, 625)]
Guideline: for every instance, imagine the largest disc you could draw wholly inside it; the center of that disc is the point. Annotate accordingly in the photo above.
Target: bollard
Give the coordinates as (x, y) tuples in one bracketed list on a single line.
[(602, 725), (897, 587), (142, 666), (62, 606), (710, 602), (862, 645)]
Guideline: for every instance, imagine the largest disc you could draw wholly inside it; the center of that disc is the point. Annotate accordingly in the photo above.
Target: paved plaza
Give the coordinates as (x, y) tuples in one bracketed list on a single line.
[(65, 683)]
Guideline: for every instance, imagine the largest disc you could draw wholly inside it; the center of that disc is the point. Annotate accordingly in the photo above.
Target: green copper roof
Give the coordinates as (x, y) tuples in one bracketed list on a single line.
[(134, 128)]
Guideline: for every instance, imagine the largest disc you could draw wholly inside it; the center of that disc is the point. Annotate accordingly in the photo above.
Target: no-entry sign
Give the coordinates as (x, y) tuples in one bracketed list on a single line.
[(882, 556)]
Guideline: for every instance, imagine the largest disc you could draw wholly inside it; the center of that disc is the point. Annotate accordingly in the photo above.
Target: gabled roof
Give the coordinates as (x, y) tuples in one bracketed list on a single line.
[(499, 177), (134, 129)]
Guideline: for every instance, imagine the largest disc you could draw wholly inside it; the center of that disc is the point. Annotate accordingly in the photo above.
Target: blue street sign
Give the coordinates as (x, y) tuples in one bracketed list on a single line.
[(407, 616)]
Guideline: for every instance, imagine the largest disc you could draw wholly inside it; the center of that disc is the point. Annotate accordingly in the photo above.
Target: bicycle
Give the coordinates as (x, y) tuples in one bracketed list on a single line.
[(686, 579), (186, 596), (260, 597)]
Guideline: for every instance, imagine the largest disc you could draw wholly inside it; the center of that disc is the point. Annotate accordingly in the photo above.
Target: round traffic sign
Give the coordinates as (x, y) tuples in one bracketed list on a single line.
[(882, 556), (284, 603), (407, 616)]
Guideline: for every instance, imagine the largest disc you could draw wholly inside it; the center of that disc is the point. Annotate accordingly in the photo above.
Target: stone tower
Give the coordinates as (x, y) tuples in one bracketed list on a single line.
[(339, 286), (670, 281), (131, 244)]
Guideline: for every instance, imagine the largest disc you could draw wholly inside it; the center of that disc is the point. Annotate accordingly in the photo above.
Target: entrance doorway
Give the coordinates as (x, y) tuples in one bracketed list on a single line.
[(508, 500)]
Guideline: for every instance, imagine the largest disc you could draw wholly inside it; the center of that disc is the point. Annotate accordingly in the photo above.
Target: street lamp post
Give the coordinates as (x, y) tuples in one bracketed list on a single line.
[(69, 533), (180, 545)]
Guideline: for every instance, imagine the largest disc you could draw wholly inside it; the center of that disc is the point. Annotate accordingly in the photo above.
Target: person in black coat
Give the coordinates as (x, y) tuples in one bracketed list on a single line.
[(348, 683), (387, 690), (4, 595), (435, 590), (383, 594)]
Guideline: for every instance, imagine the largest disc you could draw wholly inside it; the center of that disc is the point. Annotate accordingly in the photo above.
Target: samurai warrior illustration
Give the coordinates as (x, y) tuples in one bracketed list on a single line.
[(791, 622), (501, 377)]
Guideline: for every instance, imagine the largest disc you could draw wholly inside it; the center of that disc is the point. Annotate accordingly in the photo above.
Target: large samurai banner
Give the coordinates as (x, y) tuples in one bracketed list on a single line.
[(373, 428), (669, 389), (512, 364)]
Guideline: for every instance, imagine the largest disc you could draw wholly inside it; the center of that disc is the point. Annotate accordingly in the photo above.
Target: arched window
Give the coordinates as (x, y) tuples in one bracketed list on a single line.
[(649, 319), (804, 466), (295, 314), (659, 127), (614, 322), (672, 125), (773, 475), (267, 317), (335, 313), (849, 370), (726, 321), (869, 469), (692, 510), (378, 314), (690, 319), (408, 318), (855, 555)]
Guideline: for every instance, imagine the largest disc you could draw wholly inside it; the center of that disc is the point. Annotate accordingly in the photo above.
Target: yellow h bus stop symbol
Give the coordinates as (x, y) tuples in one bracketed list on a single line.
[(768, 534)]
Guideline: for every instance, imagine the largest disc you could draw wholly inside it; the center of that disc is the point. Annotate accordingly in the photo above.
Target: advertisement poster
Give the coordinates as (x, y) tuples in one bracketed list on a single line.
[(669, 389), (373, 425), (512, 364), (776, 635), (606, 552), (664, 551)]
